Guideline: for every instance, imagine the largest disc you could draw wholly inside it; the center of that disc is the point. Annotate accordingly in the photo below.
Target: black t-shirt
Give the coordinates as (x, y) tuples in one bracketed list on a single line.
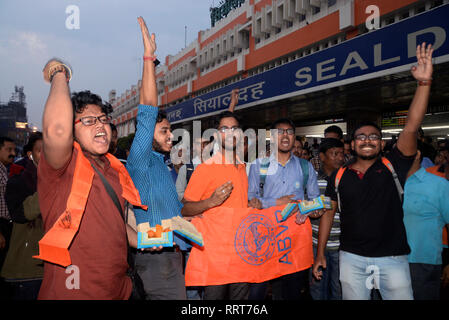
[(371, 210)]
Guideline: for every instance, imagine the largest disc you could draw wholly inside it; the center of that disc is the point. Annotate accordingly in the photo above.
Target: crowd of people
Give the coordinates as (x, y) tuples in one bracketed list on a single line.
[(64, 207)]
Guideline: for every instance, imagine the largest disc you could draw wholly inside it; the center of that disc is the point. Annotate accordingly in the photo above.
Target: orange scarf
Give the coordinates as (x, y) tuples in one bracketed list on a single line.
[(53, 247)]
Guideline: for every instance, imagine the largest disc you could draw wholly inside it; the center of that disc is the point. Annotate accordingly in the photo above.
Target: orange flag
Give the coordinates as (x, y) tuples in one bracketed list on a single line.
[(248, 245)]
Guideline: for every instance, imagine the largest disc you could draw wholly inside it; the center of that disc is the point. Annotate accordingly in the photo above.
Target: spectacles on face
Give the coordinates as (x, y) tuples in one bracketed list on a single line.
[(289, 131), (371, 137), (91, 120), (225, 129)]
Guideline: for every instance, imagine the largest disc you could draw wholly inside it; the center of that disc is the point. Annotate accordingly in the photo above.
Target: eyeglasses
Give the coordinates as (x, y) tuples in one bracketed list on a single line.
[(289, 131), (371, 137), (226, 129), (91, 120)]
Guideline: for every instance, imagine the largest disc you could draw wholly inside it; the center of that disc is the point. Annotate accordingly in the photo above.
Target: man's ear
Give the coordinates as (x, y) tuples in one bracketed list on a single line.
[(352, 145), (322, 157), (383, 143)]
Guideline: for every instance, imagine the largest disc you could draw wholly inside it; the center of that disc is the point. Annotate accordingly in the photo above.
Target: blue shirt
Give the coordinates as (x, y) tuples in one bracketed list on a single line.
[(281, 181), (151, 176), (426, 211)]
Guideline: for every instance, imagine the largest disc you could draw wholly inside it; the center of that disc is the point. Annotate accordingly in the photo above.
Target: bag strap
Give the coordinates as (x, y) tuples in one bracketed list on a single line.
[(305, 171), (337, 182), (110, 192), (116, 201), (390, 167), (305, 174), (189, 171), (264, 164)]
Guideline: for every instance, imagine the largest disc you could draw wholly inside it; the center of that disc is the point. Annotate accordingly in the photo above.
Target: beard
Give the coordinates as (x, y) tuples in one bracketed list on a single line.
[(230, 144), (157, 147), (371, 156)]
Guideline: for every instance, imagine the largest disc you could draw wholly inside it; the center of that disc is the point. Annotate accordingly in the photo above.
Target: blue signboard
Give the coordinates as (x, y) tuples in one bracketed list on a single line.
[(385, 51)]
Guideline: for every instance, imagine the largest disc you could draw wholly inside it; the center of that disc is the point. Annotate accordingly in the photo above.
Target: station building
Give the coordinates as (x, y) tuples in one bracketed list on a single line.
[(318, 62)]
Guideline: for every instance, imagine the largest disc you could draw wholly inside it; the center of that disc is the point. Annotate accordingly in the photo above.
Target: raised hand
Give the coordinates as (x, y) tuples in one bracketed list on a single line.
[(54, 65), (423, 71), (149, 42), (234, 99)]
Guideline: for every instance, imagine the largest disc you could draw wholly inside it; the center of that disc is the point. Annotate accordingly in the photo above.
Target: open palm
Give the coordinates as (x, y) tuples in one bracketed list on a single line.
[(149, 42), (423, 71)]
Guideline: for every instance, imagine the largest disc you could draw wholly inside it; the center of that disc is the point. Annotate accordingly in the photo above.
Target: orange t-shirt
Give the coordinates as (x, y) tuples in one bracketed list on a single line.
[(213, 173)]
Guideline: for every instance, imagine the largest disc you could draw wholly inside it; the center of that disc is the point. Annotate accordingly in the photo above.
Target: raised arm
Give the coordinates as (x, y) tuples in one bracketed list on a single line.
[(148, 91), (234, 99), (146, 116), (407, 142), (57, 120)]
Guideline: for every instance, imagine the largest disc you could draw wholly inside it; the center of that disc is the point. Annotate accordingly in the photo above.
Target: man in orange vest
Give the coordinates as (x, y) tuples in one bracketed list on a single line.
[(373, 243), (221, 181), (85, 245)]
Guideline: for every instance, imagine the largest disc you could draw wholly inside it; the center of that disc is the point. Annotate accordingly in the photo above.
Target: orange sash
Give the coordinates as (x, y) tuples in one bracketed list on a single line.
[(248, 245), (53, 247)]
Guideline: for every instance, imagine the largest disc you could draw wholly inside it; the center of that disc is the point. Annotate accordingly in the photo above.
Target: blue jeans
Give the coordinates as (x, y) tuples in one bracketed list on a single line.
[(328, 288), (359, 275)]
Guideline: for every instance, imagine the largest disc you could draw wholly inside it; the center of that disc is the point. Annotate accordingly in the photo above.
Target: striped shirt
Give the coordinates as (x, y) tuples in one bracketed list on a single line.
[(4, 213), (333, 243), (151, 175)]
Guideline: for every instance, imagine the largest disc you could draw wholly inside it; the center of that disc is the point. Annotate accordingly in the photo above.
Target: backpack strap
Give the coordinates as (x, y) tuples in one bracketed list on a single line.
[(189, 171), (264, 164), (390, 167), (305, 172), (337, 182)]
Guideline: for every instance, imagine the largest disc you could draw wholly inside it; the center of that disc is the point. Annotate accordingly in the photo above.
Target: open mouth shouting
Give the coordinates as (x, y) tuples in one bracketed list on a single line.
[(101, 138)]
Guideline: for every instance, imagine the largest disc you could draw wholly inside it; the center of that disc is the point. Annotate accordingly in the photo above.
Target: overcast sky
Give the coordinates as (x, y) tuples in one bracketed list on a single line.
[(104, 52)]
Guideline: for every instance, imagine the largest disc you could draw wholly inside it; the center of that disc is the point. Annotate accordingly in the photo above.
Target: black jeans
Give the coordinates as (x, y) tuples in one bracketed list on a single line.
[(425, 281), (162, 274), (232, 291), (293, 286)]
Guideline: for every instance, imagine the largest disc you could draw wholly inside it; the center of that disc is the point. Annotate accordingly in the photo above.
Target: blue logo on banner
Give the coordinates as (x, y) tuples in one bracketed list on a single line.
[(255, 240)]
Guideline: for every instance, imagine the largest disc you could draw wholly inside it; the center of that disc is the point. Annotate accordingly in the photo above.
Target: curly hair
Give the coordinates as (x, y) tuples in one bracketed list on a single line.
[(81, 99)]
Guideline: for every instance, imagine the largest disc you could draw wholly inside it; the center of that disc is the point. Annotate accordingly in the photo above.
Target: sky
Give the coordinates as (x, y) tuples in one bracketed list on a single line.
[(105, 52)]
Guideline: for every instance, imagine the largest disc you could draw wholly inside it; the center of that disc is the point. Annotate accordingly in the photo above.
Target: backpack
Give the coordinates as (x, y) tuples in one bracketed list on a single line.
[(265, 163), (387, 163)]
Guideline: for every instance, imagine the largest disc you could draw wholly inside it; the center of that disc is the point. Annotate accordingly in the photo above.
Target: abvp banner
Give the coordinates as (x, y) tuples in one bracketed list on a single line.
[(248, 245)]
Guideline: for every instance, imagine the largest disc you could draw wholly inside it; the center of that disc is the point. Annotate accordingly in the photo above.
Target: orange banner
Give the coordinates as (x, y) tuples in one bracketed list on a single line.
[(248, 245)]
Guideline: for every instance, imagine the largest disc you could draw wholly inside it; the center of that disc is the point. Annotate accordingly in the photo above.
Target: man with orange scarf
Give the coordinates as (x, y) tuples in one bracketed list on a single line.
[(85, 245)]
